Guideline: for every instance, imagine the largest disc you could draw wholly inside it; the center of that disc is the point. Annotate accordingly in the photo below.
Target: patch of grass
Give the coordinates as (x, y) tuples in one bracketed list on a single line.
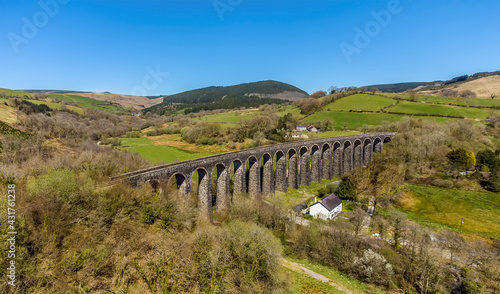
[(411, 107), (303, 194), (8, 113), (445, 207), (15, 92), (347, 282), (360, 102), (230, 117), (304, 284), (85, 102), (157, 154), (55, 105)]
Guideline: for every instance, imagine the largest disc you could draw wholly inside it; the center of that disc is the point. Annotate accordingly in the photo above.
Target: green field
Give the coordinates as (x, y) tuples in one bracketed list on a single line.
[(355, 120), (157, 154), (416, 108), (445, 207), (445, 99), (55, 105), (85, 102), (230, 117), (15, 92), (360, 102), (302, 281)]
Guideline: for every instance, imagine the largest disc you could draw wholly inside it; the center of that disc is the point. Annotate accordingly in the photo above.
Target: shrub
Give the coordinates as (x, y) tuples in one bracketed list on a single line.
[(347, 191)]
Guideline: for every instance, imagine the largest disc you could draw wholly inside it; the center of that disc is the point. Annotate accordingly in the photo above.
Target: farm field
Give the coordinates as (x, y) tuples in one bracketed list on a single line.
[(431, 206), (85, 102), (230, 117), (417, 108), (160, 153), (445, 99), (355, 120), (364, 102), (55, 105)]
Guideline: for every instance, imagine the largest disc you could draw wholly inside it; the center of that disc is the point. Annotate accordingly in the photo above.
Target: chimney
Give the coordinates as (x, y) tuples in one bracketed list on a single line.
[(315, 200)]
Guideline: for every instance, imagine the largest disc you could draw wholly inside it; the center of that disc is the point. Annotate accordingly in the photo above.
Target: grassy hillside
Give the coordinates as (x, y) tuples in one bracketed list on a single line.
[(416, 108), (360, 102), (445, 207), (85, 102), (9, 92)]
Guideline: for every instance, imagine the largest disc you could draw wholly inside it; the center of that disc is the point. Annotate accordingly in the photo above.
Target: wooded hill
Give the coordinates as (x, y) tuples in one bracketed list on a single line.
[(242, 95)]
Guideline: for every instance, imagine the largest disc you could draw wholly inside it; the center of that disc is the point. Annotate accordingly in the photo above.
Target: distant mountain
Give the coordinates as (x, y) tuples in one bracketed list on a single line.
[(242, 95), (401, 87)]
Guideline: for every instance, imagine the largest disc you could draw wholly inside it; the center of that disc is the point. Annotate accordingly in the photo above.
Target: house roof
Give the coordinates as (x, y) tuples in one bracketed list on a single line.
[(331, 202)]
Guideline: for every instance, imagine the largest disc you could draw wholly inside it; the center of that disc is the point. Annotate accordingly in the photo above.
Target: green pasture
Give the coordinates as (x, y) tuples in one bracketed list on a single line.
[(85, 102), (445, 207), (15, 92), (426, 108), (55, 105), (364, 102), (452, 100), (159, 154)]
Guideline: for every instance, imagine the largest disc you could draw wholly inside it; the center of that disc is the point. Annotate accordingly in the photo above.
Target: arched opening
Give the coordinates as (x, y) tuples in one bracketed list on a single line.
[(305, 167), (293, 169), (368, 152), (377, 145), (348, 156), (316, 164), (203, 183), (254, 177), (267, 175), (280, 178), (358, 154), (239, 177), (326, 162), (179, 183), (221, 199), (337, 159)]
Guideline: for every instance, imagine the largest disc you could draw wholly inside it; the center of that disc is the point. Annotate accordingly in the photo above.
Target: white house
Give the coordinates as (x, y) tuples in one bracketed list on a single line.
[(297, 135), (301, 128), (312, 129), (326, 208)]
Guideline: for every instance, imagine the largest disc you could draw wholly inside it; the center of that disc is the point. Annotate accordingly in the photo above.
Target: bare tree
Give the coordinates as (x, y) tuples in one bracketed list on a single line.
[(453, 242), (357, 216)]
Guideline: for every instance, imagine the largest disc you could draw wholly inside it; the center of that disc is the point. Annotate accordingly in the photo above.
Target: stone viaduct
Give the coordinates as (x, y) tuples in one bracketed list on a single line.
[(263, 170)]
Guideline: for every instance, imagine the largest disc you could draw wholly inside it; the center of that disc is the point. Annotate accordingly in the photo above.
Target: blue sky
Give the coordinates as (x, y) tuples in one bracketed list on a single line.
[(115, 45)]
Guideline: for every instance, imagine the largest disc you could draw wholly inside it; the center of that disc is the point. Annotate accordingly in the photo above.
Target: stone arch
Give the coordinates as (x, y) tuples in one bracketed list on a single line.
[(239, 176), (181, 182), (357, 154), (377, 145), (338, 155), (281, 183), (222, 196), (326, 162), (204, 193), (305, 166), (254, 177), (368, 151), (293, 169), (268, 175), (316, 164), (347, 156)]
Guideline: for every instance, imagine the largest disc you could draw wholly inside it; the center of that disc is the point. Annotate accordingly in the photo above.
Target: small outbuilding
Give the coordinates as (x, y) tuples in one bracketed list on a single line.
[(301, 128), (326, 208)]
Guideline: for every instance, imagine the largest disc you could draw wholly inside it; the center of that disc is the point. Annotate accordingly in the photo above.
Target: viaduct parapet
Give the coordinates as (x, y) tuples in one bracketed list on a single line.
[(263, 170)]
